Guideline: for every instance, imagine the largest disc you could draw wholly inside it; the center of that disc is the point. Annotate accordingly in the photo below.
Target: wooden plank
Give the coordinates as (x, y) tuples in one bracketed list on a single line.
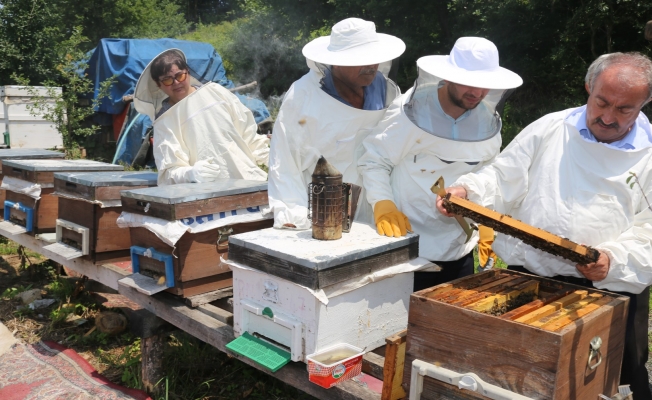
[(106, 274), (552, 307), (112, 192), (373, 364), (393, 368), (173, 212), (608, 322), (218, 334), (220, 204), (534, 305), (108, 235), (489, 291), (73, 189), (315, 279), (455, 294), (567, 319), (571, 308), (205, 298), (48, 211), (217, 313), (529, 234), (434, 389)]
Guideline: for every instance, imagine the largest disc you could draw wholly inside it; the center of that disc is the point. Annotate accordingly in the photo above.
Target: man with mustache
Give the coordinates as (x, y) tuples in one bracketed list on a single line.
[(585, 174), (446, 125), (328, 112)]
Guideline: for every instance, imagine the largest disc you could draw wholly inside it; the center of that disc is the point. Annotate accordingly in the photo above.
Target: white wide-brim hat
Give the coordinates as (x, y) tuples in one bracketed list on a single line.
[(148, 97), (354, 42), (472, 62)]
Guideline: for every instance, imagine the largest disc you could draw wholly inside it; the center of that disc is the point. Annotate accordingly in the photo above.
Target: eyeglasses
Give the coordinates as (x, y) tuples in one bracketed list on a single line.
[(179, 77)]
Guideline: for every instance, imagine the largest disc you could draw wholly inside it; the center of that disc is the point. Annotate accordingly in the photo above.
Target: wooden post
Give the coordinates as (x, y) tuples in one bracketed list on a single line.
[(152, 362), (648, 30), (393, 369)]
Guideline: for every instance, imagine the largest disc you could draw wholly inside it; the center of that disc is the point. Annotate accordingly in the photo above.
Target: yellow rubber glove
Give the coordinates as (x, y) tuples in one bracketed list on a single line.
[(389, 220), (484, 245)]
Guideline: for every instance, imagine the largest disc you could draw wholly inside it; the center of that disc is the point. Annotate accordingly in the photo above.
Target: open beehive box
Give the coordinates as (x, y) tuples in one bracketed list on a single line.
[(25, 154), (89, 205), (30, 205), (523, 333), (193, 265)]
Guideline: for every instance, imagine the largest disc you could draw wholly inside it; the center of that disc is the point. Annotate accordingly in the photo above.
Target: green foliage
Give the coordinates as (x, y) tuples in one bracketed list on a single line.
[(12, 292), (61, 289), (63, 108)]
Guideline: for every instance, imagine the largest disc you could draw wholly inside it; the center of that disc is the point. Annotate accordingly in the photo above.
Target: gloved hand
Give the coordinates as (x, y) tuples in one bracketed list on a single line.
[(204, 171), (486, 256), (389, 220)]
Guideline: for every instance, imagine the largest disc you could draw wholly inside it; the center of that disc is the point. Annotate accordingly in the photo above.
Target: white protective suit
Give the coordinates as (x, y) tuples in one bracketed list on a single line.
[(311, 124), (552, 178), (402, 161), (210, 124)]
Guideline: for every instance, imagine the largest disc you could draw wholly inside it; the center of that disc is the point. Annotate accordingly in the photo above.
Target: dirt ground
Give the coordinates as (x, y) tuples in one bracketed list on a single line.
[(193, 369)]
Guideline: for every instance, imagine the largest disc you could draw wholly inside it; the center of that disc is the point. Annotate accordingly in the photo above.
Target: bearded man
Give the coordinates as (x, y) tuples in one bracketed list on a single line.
[(446, 125)]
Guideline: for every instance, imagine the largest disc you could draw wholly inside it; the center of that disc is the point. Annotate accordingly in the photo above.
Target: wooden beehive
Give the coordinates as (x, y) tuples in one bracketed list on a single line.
[(536, 345), (41, 172), (25, 154), (89, 202), (197, 265)]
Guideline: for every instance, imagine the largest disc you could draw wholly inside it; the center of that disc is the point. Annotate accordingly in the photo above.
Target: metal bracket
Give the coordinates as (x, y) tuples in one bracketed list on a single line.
[(29, 213), (167, 259), (594, 351)]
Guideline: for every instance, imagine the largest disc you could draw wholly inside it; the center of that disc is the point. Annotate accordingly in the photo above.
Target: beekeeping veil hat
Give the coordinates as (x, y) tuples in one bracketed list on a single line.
[(354, 42), (148, 97), (472, 62)]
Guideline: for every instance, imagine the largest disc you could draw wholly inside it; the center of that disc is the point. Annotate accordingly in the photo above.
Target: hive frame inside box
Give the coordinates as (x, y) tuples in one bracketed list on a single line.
[(288, 314), (521, 358)]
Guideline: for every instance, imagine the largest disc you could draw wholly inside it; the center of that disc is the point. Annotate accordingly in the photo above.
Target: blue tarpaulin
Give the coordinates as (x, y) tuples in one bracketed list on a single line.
[(125, 60)]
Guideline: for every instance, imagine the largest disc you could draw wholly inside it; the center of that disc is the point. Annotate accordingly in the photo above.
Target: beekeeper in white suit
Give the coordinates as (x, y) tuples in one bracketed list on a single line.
[(328, 112), (571, 173), (446, 125), (201, 132)]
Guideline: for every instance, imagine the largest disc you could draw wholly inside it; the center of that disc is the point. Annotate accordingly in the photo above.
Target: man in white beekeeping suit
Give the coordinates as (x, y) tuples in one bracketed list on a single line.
[(585, 174), (201, 132), (446, 125), (328, 112)]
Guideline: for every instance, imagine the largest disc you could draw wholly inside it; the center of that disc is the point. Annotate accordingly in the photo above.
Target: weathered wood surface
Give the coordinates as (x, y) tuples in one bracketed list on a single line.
[(529, 234), (393, 367), (315, 279), (45, 210), (546, 360), (191, 209), (434, 389), (151, 349), (106, 274), (205, 298), (218, 334)]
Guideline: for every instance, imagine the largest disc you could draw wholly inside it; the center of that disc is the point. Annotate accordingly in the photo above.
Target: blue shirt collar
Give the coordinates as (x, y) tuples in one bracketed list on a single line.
[(639, 137), (374, 94)]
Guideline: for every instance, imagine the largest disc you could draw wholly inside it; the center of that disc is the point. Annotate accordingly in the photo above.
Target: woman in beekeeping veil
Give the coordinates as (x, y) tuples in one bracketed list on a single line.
[(201, 132)]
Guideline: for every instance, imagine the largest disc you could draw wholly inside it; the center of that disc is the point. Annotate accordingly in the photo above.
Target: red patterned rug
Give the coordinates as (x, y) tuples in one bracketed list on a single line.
[(49, 371)]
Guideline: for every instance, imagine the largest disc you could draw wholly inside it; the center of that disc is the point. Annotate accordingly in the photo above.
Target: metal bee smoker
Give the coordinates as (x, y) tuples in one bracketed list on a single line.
[(329, 202)]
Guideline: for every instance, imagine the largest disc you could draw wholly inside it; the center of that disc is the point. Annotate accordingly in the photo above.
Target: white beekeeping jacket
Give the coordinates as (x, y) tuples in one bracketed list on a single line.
[(552, 178), (311, 124), (406, 154), (211, 123)]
